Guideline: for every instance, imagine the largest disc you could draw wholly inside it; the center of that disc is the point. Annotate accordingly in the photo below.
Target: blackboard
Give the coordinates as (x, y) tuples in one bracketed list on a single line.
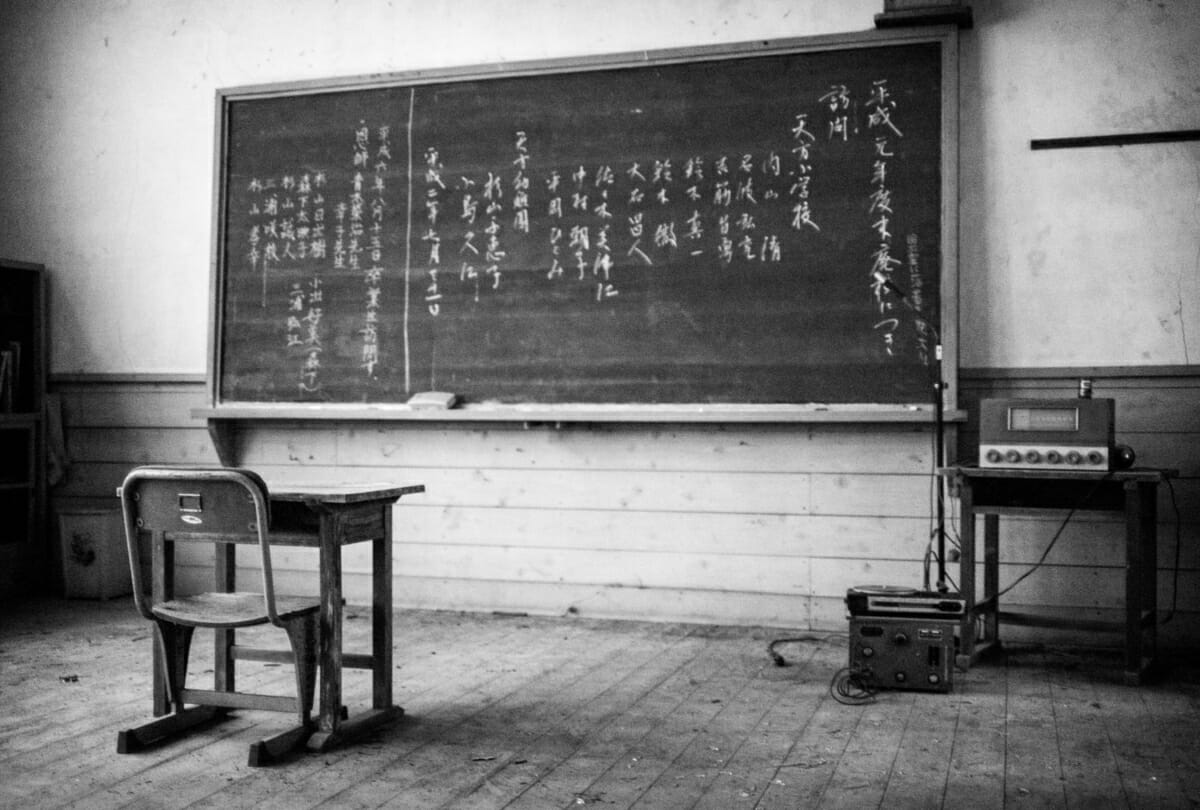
[(703, 226)]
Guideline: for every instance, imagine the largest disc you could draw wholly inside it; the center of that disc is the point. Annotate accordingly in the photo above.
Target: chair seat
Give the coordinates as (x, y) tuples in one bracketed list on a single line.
[(231, 609)]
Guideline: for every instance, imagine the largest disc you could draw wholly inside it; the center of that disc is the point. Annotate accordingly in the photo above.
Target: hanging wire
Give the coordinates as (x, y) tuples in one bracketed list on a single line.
[(1095, 488)]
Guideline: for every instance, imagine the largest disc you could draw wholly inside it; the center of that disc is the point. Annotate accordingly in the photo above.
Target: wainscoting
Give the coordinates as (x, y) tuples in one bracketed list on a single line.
[(736, 524)]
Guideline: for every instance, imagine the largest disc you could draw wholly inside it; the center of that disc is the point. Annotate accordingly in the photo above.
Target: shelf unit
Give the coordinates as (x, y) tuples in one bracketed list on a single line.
[(24, 548)]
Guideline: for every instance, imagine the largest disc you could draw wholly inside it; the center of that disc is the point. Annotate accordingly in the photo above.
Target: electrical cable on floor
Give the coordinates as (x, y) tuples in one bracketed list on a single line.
[(849, 689), (846, 687), (779, 659)]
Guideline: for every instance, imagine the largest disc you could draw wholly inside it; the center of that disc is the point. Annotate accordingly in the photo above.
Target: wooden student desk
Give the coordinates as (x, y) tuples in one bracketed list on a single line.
[(993, 492), (327, 517)]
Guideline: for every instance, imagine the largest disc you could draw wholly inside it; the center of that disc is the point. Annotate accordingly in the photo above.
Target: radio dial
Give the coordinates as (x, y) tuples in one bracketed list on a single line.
[(1053, 457), (1095, 457), (995, 456), (1012, 456), (1033, 456), (1073, 457)]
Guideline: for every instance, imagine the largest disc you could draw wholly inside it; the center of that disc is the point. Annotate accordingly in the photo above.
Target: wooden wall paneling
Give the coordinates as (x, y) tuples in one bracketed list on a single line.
[(832, 577), (130, 404), (522, 564), (595, 489), (141, 445), (706, 533), (765, 448), (751, 524), (93, 479), (1171, 450), (1087, 537), (612, 601), (865, 494), (289, 444)]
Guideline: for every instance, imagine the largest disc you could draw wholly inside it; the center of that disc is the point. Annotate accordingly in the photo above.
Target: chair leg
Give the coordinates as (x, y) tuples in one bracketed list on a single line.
[(175, 643), (132, 740), (271, 749), (302, 636)]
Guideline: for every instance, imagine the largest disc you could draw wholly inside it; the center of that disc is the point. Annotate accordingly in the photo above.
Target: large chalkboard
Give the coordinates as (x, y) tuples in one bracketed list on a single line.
[(708, 226)]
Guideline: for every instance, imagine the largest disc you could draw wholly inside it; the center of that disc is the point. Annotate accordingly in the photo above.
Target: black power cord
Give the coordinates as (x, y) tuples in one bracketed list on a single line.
[(779, 659), (850, 688), (847, 687)]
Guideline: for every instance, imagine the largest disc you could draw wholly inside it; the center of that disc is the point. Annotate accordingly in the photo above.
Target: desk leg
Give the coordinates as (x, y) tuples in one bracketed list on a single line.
[(1141, 580), (330, 652), (381, 616), (333, 727)]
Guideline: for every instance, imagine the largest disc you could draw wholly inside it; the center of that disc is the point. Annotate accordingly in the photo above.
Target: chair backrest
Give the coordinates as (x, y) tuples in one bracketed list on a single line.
[(217, 504)]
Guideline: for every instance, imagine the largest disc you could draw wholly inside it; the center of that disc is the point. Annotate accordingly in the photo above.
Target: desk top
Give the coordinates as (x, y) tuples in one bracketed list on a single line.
[(1146, 474), (326, 492)]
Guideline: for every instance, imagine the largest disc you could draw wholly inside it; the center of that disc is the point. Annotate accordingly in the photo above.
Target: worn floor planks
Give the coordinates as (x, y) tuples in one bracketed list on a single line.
[(526, 713)]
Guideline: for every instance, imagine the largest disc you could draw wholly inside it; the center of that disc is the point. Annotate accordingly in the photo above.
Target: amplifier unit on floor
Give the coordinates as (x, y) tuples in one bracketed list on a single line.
[(895, 601), (902, 638)]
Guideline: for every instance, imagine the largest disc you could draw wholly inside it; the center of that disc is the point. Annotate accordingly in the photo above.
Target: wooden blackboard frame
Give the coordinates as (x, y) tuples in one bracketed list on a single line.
[(221, 408)]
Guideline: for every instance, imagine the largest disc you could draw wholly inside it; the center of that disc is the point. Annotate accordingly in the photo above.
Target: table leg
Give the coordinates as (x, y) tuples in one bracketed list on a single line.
[(333, 726), (1141, 580), (991, 580), (381, 616), (330, 651)]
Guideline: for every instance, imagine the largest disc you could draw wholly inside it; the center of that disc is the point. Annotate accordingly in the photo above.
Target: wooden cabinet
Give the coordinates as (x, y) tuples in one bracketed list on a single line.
[(24, 548)]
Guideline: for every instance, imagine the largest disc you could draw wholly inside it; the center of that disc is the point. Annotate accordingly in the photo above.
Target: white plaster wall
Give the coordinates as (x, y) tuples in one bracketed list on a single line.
[(1088, 257), (107, 130), (1082, 256)]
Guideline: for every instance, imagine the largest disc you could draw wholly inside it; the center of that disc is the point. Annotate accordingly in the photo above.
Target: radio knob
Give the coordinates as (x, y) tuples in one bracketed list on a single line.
[(1073, 457), (1033, 456), (1095, 457), (1013, 456), (1053, 457), (994, 456)]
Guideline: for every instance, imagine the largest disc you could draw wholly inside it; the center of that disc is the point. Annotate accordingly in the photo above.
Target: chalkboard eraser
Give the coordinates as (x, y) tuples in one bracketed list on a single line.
[(433, 400)]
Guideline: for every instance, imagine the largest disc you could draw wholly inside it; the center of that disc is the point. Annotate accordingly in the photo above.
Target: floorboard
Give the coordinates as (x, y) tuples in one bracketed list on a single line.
[(531, 713)]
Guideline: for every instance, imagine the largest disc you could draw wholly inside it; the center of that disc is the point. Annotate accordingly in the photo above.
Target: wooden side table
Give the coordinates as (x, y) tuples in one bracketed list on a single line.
[(997, 492)]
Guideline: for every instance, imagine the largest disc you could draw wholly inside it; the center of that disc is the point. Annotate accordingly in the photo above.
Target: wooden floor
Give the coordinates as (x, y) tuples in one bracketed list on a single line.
[(520, 712)]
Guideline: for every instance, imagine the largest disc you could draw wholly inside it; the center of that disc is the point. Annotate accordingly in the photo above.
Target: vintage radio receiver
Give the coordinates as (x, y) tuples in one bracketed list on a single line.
[(1075, 434), (902, 638)]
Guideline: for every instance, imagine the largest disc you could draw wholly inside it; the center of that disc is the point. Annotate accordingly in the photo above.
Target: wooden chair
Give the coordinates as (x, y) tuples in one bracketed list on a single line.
[(219, 506)]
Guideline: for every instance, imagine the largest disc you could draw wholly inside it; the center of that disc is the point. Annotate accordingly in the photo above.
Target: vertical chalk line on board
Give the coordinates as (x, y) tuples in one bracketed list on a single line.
[(412, 93)]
